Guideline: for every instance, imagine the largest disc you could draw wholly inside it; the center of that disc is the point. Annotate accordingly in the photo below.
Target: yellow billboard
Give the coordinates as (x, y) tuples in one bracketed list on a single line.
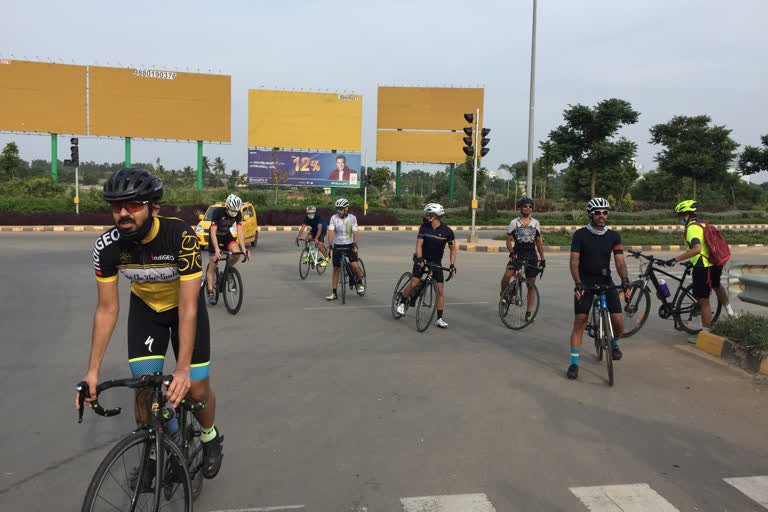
[(416, 146), (304, 120), (42, 97), (157, 104), (427, 108)]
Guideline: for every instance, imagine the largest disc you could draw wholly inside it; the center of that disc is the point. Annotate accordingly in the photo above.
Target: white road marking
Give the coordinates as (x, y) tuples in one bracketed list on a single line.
[(264, 509), (448, 503), (622, 498), (345, 307), (756, 487)]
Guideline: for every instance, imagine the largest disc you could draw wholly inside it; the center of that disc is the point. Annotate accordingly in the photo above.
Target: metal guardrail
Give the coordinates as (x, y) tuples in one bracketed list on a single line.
[(755, 289)]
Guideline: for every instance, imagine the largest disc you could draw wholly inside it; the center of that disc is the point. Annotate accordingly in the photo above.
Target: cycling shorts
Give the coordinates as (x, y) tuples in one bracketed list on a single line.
[(437, 273), (704, 279), (532, 262), (582, 307), (313, 234), (149, 333), (337, 250), (225, 244)]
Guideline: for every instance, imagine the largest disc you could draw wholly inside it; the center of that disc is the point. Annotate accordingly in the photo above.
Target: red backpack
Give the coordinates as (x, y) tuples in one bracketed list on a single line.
[(719, 252)]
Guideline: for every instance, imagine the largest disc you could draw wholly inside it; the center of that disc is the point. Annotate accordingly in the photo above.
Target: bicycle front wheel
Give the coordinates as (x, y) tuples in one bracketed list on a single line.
[(127, 478), (426, 306), (636, 312), (320, 268), (399, 287), (343, 279), (304, 264), (519, 298), (687, 311), (214, 285), (607, 344), (362, 274), (233, 291)]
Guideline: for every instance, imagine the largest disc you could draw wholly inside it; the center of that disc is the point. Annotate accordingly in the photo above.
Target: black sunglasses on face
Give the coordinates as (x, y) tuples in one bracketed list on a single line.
[(600, 212)]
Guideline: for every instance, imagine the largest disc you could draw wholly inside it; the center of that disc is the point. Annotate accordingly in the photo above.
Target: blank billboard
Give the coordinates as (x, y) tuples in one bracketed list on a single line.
[(413, 146), (159, 104), (42, 97), (304, 120), (427, 108)]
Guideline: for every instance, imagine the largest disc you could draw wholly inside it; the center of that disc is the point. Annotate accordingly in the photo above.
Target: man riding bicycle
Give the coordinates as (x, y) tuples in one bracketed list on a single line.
[(591, 249), (342, 229), (161, 258), (430, 246), (222, 239), (525, 232), (317, 230)]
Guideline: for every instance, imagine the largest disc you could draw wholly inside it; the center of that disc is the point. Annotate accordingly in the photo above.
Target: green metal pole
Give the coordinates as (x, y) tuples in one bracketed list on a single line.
[(200, 165), (333, 189), (397, 179), (54, 157), (127, 151), (450, 183)]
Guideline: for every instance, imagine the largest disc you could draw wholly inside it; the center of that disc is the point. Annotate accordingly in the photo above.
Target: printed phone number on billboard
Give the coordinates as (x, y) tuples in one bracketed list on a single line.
[(149, 73)]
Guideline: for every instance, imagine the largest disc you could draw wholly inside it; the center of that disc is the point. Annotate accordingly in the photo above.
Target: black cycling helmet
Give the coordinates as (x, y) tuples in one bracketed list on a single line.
[(131, 183), (524, 200)]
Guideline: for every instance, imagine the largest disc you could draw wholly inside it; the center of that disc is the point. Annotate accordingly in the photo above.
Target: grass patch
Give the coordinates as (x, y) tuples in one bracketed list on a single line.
[(657, 238), (749, 331)]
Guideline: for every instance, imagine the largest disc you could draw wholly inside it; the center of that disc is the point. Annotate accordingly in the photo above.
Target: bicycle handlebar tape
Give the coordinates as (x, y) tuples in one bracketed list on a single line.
[(107, 413), (192, 406)]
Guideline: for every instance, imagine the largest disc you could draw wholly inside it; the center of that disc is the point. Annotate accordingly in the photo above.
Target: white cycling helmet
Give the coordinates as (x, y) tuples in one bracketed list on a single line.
[(342, 203), (597, 203), (233, 203), (311, 209), (435, 209)]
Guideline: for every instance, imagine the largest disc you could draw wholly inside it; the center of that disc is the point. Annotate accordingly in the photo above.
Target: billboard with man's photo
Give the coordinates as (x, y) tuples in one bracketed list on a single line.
[(301, 168)]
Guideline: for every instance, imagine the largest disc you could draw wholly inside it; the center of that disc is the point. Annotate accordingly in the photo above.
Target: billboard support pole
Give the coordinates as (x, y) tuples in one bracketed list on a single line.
[(365, 184), (127, 151), (54, 158), (397, 179), (333, 189), (200, 165), (473, 234), (450, 183)]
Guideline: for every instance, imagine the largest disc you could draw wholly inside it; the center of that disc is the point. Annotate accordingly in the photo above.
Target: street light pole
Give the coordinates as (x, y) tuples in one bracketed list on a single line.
[(530, 112), (473, 234)]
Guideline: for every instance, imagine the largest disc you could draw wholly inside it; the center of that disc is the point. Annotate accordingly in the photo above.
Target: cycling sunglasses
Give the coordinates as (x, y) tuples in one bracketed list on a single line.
[(130, 206), (600, 212)]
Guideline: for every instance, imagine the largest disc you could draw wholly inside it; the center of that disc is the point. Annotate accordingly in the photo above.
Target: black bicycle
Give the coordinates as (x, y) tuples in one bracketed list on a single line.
[(683, 307), (515, 303), (152, 468), (599, 326), (424, 295), (228, 283), (347, 276)]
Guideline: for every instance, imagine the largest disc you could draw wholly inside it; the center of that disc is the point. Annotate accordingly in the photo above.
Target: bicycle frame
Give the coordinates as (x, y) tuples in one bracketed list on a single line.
[(599, 304), (650, 275)]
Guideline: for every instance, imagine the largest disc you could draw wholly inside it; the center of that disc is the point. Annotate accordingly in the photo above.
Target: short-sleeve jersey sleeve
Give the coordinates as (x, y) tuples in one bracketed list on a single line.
[(617, 248), (105, 252), (576, 241)]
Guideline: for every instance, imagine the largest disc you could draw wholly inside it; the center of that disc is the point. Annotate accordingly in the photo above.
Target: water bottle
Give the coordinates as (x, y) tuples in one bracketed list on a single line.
[(664, 288), (172, 423)]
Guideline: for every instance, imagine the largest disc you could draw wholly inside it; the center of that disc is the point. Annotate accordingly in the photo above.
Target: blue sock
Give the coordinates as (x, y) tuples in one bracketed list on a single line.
[(574, 356)]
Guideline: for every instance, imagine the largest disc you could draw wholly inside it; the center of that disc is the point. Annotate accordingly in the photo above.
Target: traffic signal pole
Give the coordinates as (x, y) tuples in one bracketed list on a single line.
[(365, 184), (473, 234), (54, 157)]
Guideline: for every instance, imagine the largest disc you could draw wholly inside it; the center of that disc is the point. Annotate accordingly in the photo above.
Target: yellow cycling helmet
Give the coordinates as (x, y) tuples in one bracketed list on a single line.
[(689, 205)]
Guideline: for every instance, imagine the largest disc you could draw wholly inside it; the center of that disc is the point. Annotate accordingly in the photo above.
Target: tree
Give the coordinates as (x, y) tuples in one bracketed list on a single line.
[(694, 149), (379, 178), (466, 170), (754, 160), (542, 172), (517, 172), (219, 167), (585, 140), (9, 160)]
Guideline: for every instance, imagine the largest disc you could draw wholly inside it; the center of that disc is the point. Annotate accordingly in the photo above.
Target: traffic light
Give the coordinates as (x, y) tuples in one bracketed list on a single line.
[(468, 149), (75, 155), (484, 141), (367, 180)]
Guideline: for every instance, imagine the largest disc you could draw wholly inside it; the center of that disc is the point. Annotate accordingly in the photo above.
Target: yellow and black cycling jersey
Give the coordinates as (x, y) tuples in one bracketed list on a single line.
[(170, 253)]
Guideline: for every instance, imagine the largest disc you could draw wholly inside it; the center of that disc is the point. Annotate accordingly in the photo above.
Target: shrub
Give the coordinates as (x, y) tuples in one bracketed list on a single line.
[(627, 205), (748, 330)]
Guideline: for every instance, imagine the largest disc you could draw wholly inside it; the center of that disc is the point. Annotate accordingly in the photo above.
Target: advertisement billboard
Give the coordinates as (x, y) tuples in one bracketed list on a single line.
[(426, 108), (417, 146), (303, 168), (305, 120), (42, 97)]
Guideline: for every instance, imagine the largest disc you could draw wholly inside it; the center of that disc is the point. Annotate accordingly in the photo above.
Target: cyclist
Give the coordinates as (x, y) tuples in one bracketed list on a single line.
[(317, 230), (342, 228), (706, 276), (430, 245), (525, 231), (591, 249), (221, 238), (161, 258)]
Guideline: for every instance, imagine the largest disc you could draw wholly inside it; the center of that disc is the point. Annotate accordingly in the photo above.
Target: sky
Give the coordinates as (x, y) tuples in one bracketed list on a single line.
[(666, 57)]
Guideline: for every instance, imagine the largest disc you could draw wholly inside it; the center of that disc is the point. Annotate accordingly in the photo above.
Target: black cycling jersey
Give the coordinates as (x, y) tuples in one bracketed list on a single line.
[(223, 222), (595, 252), (435, 240), (314, 223)]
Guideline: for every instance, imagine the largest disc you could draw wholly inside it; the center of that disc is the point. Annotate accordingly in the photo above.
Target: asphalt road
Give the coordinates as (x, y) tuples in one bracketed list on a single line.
[(342, 408)]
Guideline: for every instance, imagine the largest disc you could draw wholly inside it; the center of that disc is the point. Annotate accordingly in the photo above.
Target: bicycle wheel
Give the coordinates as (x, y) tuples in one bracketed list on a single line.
[(595, 331), (215, 286), (687, 311), (304, 264), (513, 307), (636, 312), (362, 274), (607, 345), (399, 287), (321, 269), (233, 291), (111, 486), (426, 306), (343, 279), (193, 453)]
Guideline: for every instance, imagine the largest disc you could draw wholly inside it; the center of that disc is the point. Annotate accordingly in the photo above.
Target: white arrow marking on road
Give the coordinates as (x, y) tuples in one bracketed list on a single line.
[(448, 503), (622, 498), (756, 487)]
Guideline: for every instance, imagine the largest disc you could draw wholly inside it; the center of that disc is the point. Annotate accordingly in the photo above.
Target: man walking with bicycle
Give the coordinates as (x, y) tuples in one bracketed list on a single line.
[(221, 238), (317, 230), (342, 229), (591, 249), (161, 258), (430, 245), (525, 232)]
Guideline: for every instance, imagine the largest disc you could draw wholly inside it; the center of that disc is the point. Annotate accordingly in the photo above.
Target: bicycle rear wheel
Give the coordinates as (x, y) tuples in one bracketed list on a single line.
[(111, 486), (214, 285), (687, 311), (399, 287), (426, 306), (304, 264), (513, 307), (193, 452), (321, 269), (636, 312), (607, 345), (233, 291), (362, 274)]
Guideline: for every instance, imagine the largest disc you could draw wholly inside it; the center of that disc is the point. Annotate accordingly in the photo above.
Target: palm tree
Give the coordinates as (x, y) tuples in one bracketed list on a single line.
[(219, 167), (206, 164)]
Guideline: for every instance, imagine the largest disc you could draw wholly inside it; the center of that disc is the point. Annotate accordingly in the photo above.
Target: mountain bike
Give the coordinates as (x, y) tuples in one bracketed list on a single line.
[(309, 258), (151, 468), (228, 282), (424, 295), (599, 326), (347, 276), (683, 307), (516, 295)]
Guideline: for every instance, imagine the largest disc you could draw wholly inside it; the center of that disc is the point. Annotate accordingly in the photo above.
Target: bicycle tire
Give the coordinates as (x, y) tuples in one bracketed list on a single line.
[(234, 287), (343, 279), (426, 306), (608, 345), (129, 442), (636, 312), (362, 275), (596, 333), (687, 311), (215, 286), (321, 269), (517, 304), (193, 452), (399, 287), (304, 264)]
